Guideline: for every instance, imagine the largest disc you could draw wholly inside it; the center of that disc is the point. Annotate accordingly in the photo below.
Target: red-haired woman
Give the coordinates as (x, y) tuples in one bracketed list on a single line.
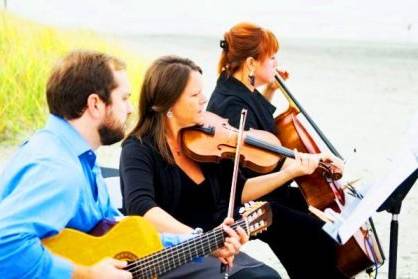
[(248, 60)]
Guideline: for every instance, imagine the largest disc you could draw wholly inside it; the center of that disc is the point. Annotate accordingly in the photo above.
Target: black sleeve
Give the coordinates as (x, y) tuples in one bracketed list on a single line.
[(136, 174), (231, 109)]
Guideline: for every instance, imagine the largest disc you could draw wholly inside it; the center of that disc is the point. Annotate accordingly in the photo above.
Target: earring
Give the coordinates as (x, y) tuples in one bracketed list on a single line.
[(169, 113), (251, 77)]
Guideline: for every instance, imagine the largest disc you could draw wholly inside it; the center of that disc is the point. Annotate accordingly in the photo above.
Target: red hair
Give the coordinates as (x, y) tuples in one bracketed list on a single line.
[(246, 40)]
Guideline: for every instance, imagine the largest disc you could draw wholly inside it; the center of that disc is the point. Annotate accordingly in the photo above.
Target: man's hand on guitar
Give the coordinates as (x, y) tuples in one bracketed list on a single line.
[(232, 243), (107, 269)]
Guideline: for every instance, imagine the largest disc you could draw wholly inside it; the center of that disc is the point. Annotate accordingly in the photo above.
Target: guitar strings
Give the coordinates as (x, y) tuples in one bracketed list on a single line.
[(152, 270), (202, 237), (156, 266), (167, 256)]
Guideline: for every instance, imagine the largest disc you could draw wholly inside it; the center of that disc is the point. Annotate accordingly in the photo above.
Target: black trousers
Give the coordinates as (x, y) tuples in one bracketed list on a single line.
[(297, 238), (259, 272), (245, 267)]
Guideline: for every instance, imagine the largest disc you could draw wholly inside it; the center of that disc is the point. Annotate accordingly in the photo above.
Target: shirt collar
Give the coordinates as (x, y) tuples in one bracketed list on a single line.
[(230, 86), (61, 127), (231, 81)]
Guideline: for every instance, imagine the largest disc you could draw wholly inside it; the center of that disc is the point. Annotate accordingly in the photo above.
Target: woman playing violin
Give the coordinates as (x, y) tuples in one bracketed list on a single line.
[(160, 183), (248, 61)]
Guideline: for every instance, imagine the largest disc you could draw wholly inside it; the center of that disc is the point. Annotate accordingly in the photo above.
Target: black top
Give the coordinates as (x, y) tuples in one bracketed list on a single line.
[(147, 181), (231, 96), (196, 202)]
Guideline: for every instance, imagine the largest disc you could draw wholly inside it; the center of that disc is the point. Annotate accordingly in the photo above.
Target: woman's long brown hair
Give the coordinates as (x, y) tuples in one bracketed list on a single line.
[(164, 82)]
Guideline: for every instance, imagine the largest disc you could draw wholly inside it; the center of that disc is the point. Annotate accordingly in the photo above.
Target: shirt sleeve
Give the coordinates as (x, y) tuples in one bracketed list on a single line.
[(171, 239), (39, 206), (136, 174)]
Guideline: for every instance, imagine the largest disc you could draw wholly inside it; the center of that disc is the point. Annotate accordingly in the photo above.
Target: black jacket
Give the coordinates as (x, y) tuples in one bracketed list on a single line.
[(231, 96)]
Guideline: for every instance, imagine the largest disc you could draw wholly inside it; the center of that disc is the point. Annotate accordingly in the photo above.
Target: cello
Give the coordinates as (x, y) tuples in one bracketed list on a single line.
[(296, 130)]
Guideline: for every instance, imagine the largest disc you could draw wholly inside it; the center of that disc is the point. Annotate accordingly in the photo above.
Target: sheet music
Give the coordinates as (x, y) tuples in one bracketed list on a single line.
[(358, 211)]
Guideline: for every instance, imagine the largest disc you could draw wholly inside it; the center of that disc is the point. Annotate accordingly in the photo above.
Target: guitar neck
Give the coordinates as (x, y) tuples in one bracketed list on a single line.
[(165, 260)]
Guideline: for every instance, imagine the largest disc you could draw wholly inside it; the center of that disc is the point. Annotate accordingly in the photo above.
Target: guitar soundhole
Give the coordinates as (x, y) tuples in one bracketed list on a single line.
[(126, 256)]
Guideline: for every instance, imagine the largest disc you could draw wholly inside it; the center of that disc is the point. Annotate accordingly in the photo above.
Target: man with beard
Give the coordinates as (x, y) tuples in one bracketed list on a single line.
[(53, 180)]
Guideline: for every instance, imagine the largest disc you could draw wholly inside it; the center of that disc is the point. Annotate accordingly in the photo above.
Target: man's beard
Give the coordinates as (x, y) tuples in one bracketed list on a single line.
[(110, 132)]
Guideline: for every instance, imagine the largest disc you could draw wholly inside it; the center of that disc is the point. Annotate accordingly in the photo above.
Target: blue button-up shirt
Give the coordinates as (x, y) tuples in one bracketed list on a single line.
[(52, 182)]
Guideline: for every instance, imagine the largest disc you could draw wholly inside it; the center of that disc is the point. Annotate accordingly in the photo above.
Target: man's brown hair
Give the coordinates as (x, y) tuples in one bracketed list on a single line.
[(78, 75)]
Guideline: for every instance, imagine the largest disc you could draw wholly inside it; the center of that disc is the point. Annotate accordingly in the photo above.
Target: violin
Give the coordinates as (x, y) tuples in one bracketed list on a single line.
[(261, 151)]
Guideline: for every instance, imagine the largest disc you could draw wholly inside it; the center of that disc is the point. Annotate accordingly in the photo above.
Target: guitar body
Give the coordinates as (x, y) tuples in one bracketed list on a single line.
[(130, 239)]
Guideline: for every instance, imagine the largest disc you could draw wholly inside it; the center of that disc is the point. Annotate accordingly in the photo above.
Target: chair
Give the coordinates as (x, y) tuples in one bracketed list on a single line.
[(111, 177)]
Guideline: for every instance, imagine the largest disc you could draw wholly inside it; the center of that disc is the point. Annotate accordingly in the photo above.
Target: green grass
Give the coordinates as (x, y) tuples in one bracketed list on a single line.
[(28, 51)]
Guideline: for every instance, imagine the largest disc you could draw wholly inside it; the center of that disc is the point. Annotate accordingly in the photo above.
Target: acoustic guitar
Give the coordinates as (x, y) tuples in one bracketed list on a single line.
[(134, 239)]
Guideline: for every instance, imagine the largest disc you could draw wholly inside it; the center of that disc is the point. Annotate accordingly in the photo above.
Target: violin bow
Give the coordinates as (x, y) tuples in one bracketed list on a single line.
[(232, 194), (236, 164)]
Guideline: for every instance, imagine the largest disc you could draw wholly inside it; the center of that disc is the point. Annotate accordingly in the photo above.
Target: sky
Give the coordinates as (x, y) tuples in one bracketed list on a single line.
[(369, 20)]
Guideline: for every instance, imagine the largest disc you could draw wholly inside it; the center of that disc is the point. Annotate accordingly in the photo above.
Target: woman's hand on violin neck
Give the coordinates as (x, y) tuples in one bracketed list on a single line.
[(303, 164), (306, 164)]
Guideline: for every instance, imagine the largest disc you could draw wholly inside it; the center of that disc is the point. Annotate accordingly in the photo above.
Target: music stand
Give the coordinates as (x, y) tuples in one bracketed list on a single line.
[(393, 205), (387, 192)]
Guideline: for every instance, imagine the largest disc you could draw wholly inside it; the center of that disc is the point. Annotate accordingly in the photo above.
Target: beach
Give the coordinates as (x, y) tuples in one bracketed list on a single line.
[(361, 94)]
